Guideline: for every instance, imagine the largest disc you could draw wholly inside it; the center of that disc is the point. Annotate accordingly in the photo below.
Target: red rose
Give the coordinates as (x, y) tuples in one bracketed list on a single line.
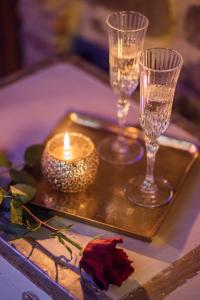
[(105, 263)]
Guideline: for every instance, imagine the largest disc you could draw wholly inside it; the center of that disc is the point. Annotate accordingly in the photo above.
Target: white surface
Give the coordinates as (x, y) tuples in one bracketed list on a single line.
[(13, 284), (31, 107)]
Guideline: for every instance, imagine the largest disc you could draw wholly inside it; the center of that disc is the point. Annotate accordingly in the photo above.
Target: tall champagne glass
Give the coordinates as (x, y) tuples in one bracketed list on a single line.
[(159, 72), (126, 33)]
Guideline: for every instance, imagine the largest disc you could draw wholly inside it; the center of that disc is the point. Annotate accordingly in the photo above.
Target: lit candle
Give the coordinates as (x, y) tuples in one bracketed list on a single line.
[(63, 150), (71, 146), (70, 162)]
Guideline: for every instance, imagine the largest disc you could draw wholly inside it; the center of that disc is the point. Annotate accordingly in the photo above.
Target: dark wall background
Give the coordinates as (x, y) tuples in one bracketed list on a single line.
[(9, 37)]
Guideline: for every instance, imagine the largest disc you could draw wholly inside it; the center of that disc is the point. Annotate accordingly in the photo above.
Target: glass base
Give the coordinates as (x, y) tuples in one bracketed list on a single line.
[(163, 193), (125, 152)]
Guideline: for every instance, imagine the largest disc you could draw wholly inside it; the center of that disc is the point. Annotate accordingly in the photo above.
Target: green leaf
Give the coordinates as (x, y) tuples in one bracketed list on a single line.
[(22, 177), (61, 240), (69, 240), (4, 192), (33, 155), (15, 229), (33, 227), (4, 161), (1, 196), (30, 225), (66, 228), (22, 192), (16, 212), (18, 195), (4, 196)]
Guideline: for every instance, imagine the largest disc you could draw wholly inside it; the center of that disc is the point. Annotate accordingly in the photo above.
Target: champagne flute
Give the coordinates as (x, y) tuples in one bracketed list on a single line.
[(159, 72), (126, 33)]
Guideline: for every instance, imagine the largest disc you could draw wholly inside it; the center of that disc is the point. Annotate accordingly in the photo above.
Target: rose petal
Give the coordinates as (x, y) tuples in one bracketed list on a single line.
[(96, 270), (117, 267), (106, 263), (103, 244)]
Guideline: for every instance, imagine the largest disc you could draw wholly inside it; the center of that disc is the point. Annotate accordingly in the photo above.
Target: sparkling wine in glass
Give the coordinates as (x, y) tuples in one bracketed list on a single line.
[(159, 72), (126, 32)]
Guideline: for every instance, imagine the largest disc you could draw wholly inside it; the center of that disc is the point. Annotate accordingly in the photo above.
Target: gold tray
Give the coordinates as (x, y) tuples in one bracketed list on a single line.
[(104, 204)]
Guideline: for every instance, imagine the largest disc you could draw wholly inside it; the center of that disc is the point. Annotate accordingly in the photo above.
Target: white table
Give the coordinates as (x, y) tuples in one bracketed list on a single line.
[(30, 109)]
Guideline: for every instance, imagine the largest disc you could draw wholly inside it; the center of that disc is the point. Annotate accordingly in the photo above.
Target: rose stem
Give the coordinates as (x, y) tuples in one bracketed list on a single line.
[(49, 227)]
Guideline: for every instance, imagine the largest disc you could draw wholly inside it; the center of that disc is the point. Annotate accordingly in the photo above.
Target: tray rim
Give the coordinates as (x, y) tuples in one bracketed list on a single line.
[(132, 132), (129, 131)]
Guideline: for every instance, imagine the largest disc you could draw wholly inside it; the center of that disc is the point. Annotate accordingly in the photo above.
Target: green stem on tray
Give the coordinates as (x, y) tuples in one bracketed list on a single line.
[(55, 231)]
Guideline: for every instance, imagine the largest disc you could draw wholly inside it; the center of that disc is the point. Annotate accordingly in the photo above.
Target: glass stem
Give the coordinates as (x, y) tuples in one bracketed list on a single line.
[(149, 185), (123, 105)]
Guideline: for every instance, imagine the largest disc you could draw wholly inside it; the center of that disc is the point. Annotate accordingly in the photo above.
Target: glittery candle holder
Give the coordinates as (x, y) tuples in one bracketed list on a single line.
[(73, 171)]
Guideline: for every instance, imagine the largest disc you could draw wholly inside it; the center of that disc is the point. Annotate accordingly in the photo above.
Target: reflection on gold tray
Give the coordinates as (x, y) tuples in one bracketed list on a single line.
[(104, 203)]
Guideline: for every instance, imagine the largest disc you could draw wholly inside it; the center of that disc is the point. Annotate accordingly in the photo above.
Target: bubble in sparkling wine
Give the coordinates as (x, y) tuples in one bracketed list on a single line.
[(124, 71), (156, 110)]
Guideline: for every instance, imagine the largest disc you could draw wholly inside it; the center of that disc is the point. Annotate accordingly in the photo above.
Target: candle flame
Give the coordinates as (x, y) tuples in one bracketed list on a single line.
[(66, 142), (67, 151)]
